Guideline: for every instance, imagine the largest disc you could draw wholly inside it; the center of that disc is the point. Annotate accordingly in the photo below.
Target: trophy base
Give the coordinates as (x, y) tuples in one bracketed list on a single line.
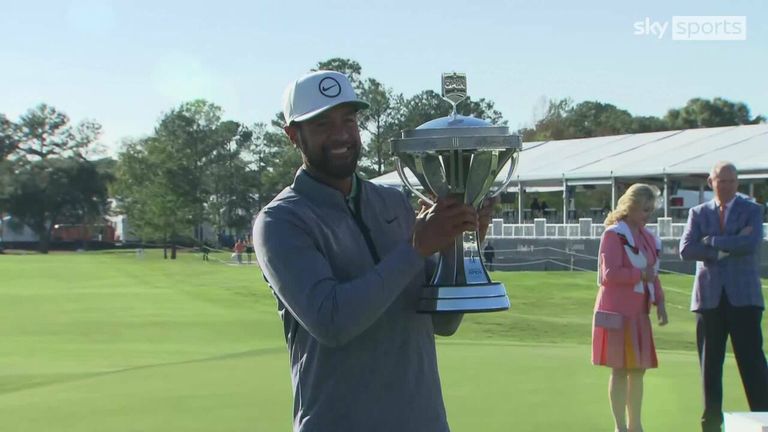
[(488, 297)]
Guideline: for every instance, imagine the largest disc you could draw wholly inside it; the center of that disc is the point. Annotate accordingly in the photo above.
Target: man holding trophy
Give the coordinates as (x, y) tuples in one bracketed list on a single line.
[(347, 261)]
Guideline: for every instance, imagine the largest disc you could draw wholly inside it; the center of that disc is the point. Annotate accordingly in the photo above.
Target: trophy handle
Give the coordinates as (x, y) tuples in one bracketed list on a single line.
[(484, 167), (432, 174), (407, 183), (512, 165)]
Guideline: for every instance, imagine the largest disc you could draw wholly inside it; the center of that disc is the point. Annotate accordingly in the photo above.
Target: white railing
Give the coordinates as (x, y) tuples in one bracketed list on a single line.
[(584, 229)]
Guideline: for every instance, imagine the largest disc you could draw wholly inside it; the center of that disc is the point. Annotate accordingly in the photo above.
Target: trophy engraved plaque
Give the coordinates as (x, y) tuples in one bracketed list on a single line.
[(462, 157)]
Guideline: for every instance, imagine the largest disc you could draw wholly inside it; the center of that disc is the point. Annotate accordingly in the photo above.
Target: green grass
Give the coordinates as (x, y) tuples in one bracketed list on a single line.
[(112, 342)]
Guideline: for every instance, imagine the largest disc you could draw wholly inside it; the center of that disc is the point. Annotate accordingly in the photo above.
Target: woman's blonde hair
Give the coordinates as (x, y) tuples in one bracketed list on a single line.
[(638, 195)]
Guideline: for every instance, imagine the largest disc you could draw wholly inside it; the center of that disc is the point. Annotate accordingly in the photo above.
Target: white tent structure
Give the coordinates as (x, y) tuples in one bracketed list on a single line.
[(680, 158)]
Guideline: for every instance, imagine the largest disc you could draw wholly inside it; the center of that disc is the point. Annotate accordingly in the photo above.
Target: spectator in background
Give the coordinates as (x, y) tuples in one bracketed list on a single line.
[(572, 214), (535, 208), (544, 208), (724, 236), (488, 255), (606, 209), (249, 249), (622, 338), (239, 249)]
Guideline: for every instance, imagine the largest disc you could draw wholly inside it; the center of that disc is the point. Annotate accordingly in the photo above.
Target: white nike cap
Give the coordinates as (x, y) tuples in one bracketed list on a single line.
[(318, 92)]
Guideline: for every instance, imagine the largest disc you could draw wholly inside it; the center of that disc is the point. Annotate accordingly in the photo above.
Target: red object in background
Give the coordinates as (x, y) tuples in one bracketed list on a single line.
[(70, 232), (676, 201)]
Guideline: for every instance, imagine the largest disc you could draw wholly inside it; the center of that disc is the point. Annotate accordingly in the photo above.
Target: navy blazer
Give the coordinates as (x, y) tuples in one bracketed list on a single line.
[(739, 273)]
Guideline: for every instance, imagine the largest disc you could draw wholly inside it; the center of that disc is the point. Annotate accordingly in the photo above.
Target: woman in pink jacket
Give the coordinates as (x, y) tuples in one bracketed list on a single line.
[(622, 339)]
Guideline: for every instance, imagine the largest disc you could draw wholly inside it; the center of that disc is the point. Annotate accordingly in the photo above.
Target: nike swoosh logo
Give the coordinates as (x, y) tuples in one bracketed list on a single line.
[(389, 221), (325, 89)]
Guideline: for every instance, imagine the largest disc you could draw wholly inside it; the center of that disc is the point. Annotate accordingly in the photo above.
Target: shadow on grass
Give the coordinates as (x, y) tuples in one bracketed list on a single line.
[(23, 382)]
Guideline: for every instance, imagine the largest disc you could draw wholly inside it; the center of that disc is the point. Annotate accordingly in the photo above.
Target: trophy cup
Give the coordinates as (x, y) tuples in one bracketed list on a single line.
[(461, 157)]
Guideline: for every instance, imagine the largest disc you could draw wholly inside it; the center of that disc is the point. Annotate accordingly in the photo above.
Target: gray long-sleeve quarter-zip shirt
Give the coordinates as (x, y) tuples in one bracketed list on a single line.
[(361, 358)]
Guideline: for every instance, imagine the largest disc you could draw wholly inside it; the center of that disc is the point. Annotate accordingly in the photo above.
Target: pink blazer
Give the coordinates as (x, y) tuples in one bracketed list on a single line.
[(619, 277)]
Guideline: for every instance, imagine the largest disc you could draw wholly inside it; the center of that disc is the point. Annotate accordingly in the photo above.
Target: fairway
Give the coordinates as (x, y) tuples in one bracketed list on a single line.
[(115, 342)]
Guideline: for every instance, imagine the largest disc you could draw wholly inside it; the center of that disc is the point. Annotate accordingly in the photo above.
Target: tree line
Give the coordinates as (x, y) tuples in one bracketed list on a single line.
[(564, 120), (197, 167)]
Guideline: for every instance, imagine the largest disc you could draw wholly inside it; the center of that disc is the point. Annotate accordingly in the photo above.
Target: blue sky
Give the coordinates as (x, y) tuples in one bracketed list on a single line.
[(124, 63)]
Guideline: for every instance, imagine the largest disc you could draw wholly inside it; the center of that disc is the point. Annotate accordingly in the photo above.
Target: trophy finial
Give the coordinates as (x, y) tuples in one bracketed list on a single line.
[(454, 89)]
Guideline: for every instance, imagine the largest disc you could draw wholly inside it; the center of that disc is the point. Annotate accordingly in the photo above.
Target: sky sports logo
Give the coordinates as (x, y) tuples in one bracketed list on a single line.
[(695, 28)]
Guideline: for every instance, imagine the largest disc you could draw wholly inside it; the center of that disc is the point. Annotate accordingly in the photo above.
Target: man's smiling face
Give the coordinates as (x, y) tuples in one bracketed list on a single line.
[(330, 142)]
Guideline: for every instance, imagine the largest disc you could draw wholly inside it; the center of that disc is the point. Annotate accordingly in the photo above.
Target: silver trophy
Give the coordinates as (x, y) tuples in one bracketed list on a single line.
[(462, 157)]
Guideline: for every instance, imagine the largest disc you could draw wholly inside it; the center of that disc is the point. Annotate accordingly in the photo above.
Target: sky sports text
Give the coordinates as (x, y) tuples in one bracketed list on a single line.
[(696, 28)]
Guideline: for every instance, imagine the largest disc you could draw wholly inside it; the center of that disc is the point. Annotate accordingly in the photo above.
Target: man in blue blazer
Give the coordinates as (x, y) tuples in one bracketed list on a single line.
[(724, 237)]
